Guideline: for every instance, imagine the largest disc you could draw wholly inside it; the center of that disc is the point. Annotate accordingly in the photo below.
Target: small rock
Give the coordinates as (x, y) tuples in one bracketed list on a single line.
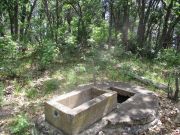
[(101, 133), (8, 90)]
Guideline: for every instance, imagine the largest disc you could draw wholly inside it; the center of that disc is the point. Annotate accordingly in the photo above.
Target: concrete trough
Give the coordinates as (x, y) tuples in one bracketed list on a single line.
[(75, 111)]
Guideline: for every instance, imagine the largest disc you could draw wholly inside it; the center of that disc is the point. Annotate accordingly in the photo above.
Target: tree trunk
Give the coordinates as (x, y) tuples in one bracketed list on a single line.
[(1, 25), (23, 17), (11, 22), (178, 43), (125, 25), (110, 23), (29, 17), (58, 19), (176, 94), (163, 42), (16, 24), (146, 24), (46, 7), (141, 26)]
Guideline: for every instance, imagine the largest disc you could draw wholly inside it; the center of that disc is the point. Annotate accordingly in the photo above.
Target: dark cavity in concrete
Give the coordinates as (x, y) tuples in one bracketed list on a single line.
[(122, 95), (121, 98)]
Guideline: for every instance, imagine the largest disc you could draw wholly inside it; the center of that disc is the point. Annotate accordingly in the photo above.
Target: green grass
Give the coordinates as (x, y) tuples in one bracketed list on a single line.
[(66, 76), (31, 93), (20, 125), (51, 85), (17, 86)]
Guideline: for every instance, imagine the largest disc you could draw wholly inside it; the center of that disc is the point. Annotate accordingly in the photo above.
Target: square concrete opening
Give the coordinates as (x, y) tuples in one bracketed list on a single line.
[(75, 111), (121, 98), (122, 95)]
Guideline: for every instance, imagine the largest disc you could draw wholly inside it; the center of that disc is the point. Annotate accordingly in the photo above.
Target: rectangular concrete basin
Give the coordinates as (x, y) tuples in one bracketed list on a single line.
[(75, 111)]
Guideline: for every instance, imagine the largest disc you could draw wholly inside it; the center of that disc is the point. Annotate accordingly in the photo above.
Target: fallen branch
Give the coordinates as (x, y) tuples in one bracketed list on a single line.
[(149, 82)]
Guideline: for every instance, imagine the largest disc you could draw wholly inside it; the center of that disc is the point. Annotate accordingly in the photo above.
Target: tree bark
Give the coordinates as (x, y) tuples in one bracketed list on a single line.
[(1, 25), (29, 17), (163, 42), (23, 17), (125, 25), (110, 23), (16, 24), (11, 23), (145, 24), (177, 88), (46, 7), (58, 19), (69, 19), (141, 26), (178, 43)]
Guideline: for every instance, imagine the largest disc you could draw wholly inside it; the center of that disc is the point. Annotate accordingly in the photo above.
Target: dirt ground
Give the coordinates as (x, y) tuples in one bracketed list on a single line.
[(17, 104)]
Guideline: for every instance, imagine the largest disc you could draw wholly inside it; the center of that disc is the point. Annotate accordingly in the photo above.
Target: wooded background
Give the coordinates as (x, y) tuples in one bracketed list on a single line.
[(141, 26)]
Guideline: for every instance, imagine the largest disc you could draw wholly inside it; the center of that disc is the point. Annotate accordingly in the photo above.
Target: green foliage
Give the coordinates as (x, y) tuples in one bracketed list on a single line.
[(17, 86), (8, 48), (71, 77), (118, 51), (104, 60), (9, 55), (31, 93), (99, 34), (46, 54), (123, 73), (70, 50), (80, 68), (20, 125), (70, 40), (51, 85), (170, 56), (126, 72), (113, 74)]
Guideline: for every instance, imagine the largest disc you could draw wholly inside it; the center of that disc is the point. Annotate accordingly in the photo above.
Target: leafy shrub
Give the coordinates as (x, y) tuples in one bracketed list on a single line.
[(80, 68), (99, 34), (51, 85), (46, 53), (9, 55), (126, 72), (20, 125), (113, 74), (133, 44), (70, 52), (8, 48), (71, 77), (70, 39), (104, 60), (118, 51), (70, 49), (170, 56)]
